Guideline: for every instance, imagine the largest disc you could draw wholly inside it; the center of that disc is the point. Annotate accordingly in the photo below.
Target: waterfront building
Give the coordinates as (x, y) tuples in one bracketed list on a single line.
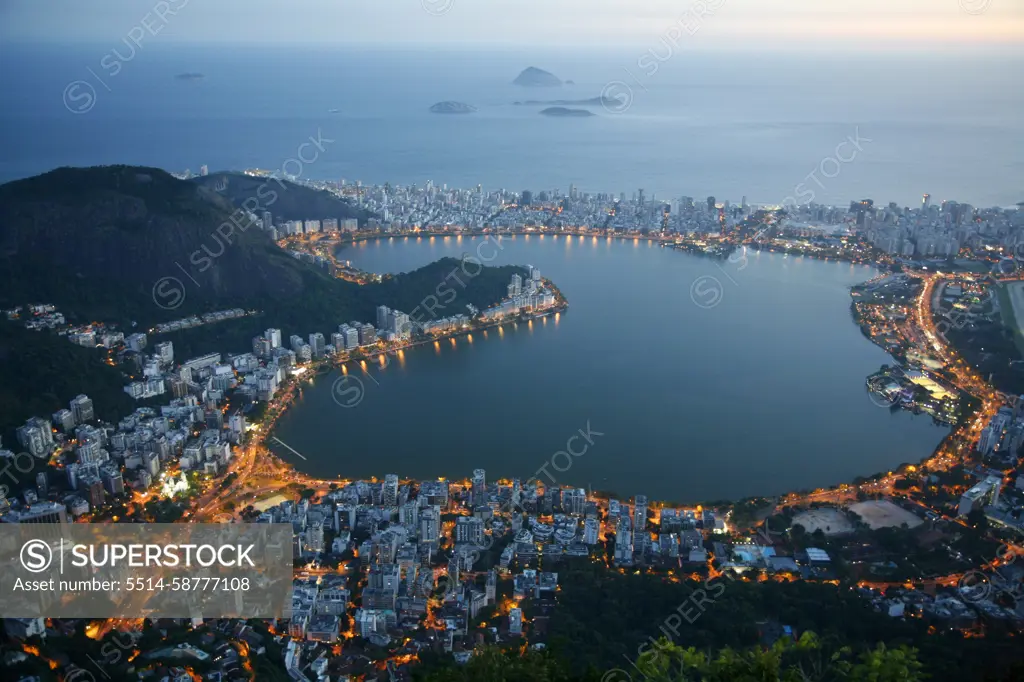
[(574, 500), (389, 493), (317, 344), (479, 486), (367, 335), (639, 521), (351, 337)]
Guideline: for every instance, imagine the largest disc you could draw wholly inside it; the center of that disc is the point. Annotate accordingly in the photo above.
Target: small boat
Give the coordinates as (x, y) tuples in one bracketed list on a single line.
[(334, 111)]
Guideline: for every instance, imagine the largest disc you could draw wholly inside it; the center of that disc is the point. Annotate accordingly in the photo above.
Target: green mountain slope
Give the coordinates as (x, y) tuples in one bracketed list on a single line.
[(285, 200), (124, 245)]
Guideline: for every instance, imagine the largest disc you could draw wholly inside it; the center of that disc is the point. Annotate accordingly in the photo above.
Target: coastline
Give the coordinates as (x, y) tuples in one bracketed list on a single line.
[(344, 243), (556, 309)]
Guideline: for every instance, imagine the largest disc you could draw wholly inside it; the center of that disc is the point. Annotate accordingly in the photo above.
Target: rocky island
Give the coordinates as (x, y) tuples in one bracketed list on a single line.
[(566, 112), (532, 77), (452, 108)]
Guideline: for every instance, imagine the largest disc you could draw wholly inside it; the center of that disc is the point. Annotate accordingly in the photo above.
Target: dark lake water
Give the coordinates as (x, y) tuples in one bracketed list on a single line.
[(706, 380)]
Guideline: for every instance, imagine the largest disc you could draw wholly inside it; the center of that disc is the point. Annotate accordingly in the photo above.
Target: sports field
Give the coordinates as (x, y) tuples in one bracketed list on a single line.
[(885, 514)]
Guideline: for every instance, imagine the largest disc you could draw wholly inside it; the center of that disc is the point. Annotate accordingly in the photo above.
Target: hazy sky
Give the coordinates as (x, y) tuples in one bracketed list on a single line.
[(760, 23)]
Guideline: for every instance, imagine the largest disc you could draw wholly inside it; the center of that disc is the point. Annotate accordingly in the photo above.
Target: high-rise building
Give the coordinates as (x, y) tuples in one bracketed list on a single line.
[(574, 500), (268, 220), (398, 323), (453, 572), (112, 479), (367, 335), (988, 439), (389, 494), (470, 530), (36, 436), (623, 540), (382, 316), (491, 590), (274, 337), (351, 338), (515, 621), (975, 498), (164, 352), (479, 486), (91, 487), (317, 344), (315, 537), (639, 520), (261, 346), (81, 407), (430, 524), (926, 201), (64, 420), (136, 342), (711, 204)]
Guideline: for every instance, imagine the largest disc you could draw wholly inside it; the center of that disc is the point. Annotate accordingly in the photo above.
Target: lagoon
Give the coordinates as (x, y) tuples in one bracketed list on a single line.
[(705, 379)]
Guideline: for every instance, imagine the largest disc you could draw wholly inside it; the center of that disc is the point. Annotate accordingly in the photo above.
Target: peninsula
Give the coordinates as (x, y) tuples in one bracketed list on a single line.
[(592, 101), (565, 112)]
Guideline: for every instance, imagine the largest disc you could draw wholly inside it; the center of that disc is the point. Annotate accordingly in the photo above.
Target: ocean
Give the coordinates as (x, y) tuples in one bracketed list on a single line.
[(731, 125)]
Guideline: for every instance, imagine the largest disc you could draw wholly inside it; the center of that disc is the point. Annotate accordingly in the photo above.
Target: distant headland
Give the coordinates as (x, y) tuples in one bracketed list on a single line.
[(566, 112), (190, 76), (533, 77), (591, 102), (452, 108)]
